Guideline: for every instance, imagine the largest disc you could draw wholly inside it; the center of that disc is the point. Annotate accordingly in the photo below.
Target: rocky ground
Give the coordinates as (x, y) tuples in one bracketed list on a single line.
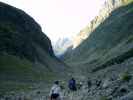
[(107, 84)]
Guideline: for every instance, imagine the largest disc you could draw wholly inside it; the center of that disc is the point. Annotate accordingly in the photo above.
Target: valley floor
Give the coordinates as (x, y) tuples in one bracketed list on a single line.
[(112, 83)]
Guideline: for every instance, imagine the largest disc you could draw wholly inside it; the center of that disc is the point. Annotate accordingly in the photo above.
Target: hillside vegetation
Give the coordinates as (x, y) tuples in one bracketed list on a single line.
[(108, 41), (26, 54), (102, 64), (105, 58)]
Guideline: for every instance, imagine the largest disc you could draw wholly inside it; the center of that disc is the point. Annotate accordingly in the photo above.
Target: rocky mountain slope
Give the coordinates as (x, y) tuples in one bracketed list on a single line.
[(109, 34), (108, 7), (102, 62), (26, 54), (105, 11), (106, 57), (61, 46)]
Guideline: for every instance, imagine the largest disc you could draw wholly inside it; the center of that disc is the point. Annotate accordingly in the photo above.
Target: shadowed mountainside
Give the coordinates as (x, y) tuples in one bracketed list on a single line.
[(104, 59), (26, 53)]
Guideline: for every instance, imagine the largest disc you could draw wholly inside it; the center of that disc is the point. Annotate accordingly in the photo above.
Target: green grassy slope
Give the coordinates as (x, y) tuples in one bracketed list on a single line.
[(127, 1), (21, 74), (12, 68), (26, 55), (107, 42)]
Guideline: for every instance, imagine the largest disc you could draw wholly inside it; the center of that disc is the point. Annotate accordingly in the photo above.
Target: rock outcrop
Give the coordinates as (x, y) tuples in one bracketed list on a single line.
[(106, 57), (61, 46), (105, 12)]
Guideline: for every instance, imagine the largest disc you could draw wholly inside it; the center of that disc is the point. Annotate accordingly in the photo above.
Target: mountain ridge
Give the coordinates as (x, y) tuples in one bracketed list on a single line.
[(105, 12), (105, 37), (105, 58), (26, 53)]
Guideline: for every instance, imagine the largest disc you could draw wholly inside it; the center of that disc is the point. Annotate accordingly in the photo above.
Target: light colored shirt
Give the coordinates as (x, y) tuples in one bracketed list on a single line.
[(56, 89)]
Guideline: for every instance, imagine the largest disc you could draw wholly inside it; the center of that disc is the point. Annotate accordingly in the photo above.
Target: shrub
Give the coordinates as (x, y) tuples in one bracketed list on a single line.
[(127, 1), (104, 98), (125, 76)]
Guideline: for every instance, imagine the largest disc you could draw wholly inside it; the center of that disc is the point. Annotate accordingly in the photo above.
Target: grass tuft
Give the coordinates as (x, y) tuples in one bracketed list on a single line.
[(125, 76), (104, 98)]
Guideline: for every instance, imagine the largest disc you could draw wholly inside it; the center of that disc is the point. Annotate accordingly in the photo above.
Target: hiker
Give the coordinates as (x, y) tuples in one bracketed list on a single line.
[(55, 92), (80, 85), (89, 84), (98, 83), (72, 84)]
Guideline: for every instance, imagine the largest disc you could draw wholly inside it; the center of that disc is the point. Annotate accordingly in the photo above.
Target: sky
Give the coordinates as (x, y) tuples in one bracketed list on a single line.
[(60, 18)]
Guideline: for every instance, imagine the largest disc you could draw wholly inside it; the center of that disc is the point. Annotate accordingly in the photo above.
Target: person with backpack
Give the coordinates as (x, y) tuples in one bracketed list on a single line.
[(72, 84), (55, 92)]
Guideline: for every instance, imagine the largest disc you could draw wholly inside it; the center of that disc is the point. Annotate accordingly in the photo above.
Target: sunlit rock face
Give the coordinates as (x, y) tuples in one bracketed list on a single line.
[(108, 7), (106, 56), (61, 46), (105, 41), (79, 38)]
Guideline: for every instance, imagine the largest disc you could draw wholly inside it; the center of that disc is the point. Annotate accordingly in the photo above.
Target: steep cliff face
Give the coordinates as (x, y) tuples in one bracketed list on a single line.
[(25, 51), (108, 7), (105, 58), (19, 34), (106, 41), (61, 46), (105, 11)]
